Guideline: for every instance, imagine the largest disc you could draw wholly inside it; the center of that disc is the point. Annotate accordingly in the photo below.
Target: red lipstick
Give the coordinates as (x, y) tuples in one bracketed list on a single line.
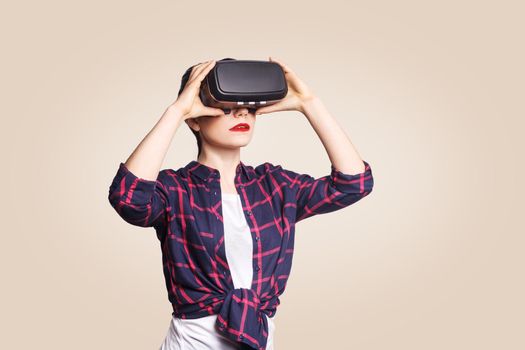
[(240, 127)]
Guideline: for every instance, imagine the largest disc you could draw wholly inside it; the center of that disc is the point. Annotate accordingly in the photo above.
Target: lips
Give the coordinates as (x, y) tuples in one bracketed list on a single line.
[(240, 127)]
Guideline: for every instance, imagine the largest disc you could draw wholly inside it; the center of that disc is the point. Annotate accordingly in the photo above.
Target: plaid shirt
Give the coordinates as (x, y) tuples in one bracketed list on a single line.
[(184, 207)]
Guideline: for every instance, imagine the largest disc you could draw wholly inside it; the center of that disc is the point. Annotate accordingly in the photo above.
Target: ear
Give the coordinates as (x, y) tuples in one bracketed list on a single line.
[(193, 124)]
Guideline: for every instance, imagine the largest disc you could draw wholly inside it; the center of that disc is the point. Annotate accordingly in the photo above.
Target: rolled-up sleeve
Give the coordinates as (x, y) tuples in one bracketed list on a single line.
[(138, 201), (328, 193)]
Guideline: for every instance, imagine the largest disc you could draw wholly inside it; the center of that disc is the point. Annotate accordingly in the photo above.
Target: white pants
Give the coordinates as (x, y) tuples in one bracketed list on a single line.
[(200, 334)]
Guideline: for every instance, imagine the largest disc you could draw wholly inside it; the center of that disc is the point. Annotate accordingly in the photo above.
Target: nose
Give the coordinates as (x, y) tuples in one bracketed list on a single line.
[(238, 112)]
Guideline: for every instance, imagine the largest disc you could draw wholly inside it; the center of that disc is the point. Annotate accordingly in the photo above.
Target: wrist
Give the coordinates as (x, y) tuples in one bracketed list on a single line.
[(174, 111), (309, 103)]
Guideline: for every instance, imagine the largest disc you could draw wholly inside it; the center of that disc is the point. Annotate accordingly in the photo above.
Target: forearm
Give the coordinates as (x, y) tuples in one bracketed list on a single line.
[(340, 149), (147, 158)]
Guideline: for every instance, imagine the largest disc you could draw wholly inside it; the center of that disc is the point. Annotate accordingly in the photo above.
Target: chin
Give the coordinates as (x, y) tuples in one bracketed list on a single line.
[(239, 143)]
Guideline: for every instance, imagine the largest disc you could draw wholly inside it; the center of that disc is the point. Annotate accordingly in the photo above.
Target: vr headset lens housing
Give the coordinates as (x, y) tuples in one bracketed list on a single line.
[(235, 84)]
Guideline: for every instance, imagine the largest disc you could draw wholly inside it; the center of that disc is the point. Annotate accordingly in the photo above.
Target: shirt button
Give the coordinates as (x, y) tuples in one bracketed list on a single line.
[(215, 192), (249, 212), (256, 238), (241, 186), (241, 336), (257, 268), (217, 216)]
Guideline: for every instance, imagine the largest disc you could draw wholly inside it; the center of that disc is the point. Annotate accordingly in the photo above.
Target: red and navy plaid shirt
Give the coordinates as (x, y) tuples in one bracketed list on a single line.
[(184, 207)]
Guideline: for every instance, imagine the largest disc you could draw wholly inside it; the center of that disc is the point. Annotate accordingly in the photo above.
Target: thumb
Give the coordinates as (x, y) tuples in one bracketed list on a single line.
[(269, 109), (214, 111)]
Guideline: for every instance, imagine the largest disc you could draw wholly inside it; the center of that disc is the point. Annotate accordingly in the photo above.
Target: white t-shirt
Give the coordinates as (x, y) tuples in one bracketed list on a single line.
[(200, 333)]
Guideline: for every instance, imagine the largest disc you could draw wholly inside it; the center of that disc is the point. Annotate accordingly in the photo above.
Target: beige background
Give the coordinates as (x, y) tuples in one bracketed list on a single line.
[(430, 93)]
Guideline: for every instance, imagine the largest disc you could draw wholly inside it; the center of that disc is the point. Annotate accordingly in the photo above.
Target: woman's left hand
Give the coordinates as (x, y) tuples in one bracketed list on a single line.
[(298, 93)]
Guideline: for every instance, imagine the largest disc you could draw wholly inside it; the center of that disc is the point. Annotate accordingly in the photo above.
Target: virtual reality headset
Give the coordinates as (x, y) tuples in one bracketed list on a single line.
[(233, 84)]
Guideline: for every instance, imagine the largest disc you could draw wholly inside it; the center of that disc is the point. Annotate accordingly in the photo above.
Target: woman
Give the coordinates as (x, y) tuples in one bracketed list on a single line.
[(226, 228)]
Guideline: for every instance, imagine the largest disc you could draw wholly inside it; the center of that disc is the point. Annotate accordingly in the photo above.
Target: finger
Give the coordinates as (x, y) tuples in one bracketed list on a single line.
[(196, 69), (202, 74), (269, 109), (292, 78), (213, 111), (285, 67), (204, 67)]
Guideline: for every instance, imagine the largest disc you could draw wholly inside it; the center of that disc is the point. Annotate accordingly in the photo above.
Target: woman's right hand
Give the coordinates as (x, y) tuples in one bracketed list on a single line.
[(189, 102)]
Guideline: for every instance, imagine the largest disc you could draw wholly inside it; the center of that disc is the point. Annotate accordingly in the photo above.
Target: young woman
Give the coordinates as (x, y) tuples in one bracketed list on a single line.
[(227, 228)]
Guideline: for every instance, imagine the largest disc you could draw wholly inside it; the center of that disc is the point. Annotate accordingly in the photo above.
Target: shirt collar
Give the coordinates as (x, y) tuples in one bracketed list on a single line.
[(204, 171)]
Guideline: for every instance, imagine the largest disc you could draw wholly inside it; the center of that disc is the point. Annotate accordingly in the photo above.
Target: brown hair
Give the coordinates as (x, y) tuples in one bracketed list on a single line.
[(184, 80)]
